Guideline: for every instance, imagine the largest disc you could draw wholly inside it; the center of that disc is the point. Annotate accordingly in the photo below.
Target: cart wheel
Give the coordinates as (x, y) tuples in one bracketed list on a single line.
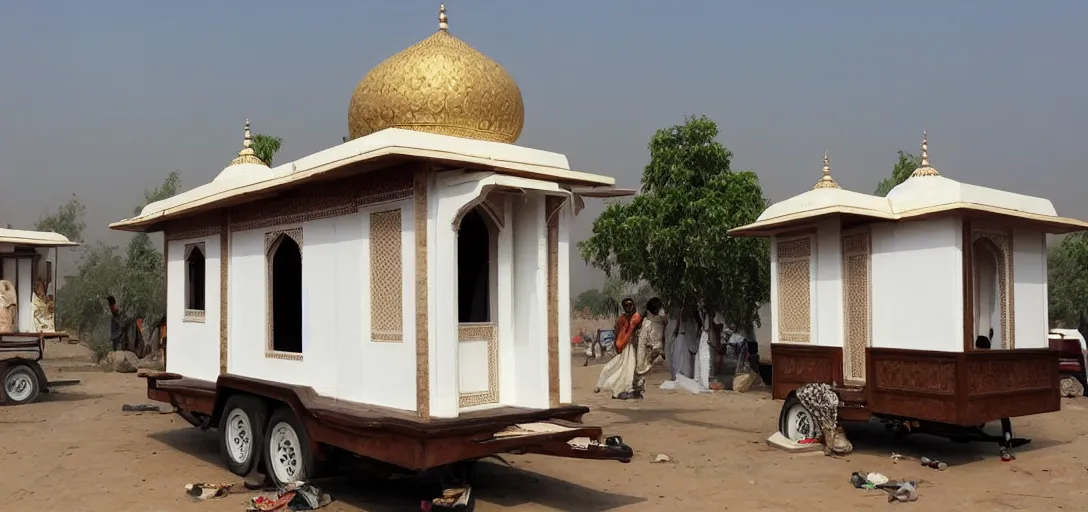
[(21, 385), (290, 456), (241, 433), (796, 422)]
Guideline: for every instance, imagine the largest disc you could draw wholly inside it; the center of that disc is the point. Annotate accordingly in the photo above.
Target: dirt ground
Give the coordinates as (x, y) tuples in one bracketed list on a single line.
[(76, 451)]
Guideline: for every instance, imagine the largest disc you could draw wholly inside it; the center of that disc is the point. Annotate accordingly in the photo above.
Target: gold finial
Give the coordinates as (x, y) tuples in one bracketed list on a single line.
[(925, 169), (247, 155), (826, 181), (443, 20)]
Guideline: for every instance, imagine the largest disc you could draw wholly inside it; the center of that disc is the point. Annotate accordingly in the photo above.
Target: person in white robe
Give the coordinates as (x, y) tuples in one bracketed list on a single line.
[(651, 341), (686, 344)]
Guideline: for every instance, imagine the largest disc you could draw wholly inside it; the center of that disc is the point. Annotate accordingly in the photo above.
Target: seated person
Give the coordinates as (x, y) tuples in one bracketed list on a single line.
[(982, 342)]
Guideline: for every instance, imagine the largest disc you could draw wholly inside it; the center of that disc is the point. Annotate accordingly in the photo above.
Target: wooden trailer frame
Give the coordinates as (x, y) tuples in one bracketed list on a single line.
[(393, 437)]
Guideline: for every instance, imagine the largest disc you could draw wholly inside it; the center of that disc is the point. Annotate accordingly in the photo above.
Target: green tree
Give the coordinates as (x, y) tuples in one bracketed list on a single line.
[(1067, 280), (673, 237), (266, 147), (67, 220), (605, 302), (135, 278), (903, 168)]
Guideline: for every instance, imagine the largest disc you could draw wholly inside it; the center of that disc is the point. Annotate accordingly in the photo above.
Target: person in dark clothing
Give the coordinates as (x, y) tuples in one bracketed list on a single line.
[(115, 323)]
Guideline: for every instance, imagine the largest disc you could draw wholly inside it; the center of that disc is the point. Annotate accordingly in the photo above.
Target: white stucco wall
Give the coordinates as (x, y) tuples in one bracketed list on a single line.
[(1030, 307), (530, 368), (338, 357), (917, 296), (25, 291), (505, 308), (827, 323), (566, 218), (192, 349), (773, 328)]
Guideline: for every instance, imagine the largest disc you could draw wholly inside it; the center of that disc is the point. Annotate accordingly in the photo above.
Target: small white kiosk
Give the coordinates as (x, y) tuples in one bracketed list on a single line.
[(417, 274), (928, 305)]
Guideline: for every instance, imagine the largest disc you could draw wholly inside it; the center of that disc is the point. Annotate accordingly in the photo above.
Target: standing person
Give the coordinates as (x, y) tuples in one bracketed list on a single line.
[(651, 341), (686, 346), (116, 329), (618, 376)]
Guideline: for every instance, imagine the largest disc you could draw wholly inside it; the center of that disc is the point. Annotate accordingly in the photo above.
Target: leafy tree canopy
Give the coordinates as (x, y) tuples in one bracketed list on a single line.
[(1067, 280), (67, 220), (673, 234), (266, 147), (134, 277), (903, 169), (605, 302)]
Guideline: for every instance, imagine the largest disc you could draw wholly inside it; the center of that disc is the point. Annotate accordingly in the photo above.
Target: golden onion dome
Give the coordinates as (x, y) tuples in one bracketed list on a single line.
[(439, 85)]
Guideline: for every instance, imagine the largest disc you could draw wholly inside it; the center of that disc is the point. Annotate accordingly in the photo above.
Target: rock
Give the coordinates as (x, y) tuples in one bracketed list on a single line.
[(660, 458), (121, 361), (150, 363)]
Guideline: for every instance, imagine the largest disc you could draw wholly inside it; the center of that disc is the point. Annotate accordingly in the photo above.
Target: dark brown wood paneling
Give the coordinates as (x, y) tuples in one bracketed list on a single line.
[(796, 364), (1009, 383), (916, 384), (969, 388)]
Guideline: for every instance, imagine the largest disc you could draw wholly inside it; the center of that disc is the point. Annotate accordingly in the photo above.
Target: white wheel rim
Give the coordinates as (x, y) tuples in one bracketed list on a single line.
[(800, 424), (285, 452), (19, 385), (239, 436)]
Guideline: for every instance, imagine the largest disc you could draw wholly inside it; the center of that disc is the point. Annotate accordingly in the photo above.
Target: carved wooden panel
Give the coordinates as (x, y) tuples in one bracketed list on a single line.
[(794, 289), (323, 200), (795, 365), (1003, 376), (856, 302), (960, 388), (386, 281), (420, 181)]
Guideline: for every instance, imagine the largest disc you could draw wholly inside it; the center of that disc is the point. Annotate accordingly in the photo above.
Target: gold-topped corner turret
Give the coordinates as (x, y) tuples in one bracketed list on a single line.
[(439, 85), (247, 155), (826, 181), (925, 169)]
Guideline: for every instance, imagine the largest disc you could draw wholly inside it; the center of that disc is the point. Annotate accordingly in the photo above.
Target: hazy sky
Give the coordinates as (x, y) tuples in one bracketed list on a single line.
[(104, 98)]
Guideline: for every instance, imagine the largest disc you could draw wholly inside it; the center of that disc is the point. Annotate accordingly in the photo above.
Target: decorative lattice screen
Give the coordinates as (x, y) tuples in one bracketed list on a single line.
[(386, 278)]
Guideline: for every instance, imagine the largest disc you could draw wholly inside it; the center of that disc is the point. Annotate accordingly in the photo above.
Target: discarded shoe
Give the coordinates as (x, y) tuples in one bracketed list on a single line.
[(934, 463), (904, 493)]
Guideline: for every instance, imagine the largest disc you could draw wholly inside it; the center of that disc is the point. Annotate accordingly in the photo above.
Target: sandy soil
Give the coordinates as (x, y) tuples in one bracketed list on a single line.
[(76, 451)]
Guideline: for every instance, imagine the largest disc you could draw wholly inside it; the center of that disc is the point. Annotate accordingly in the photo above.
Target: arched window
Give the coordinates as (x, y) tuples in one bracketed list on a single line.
[(285, 295), (194, 277), (473, 269)]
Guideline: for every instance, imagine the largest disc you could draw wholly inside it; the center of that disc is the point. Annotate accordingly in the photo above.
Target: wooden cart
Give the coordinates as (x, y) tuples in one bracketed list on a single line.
[(23, 378), (316, 429)]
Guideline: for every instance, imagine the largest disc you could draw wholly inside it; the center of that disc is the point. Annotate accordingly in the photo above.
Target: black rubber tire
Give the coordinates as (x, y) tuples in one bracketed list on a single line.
[(257, 413), (13, 370), (304, 453)]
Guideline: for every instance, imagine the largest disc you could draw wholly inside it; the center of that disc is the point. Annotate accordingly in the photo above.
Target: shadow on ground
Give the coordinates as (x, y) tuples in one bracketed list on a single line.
[(496, 484)]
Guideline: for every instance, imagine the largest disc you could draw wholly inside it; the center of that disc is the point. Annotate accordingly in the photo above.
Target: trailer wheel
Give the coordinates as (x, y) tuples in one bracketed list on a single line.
[(21, 384), (290, 455), (241, 433), (796, 422)]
